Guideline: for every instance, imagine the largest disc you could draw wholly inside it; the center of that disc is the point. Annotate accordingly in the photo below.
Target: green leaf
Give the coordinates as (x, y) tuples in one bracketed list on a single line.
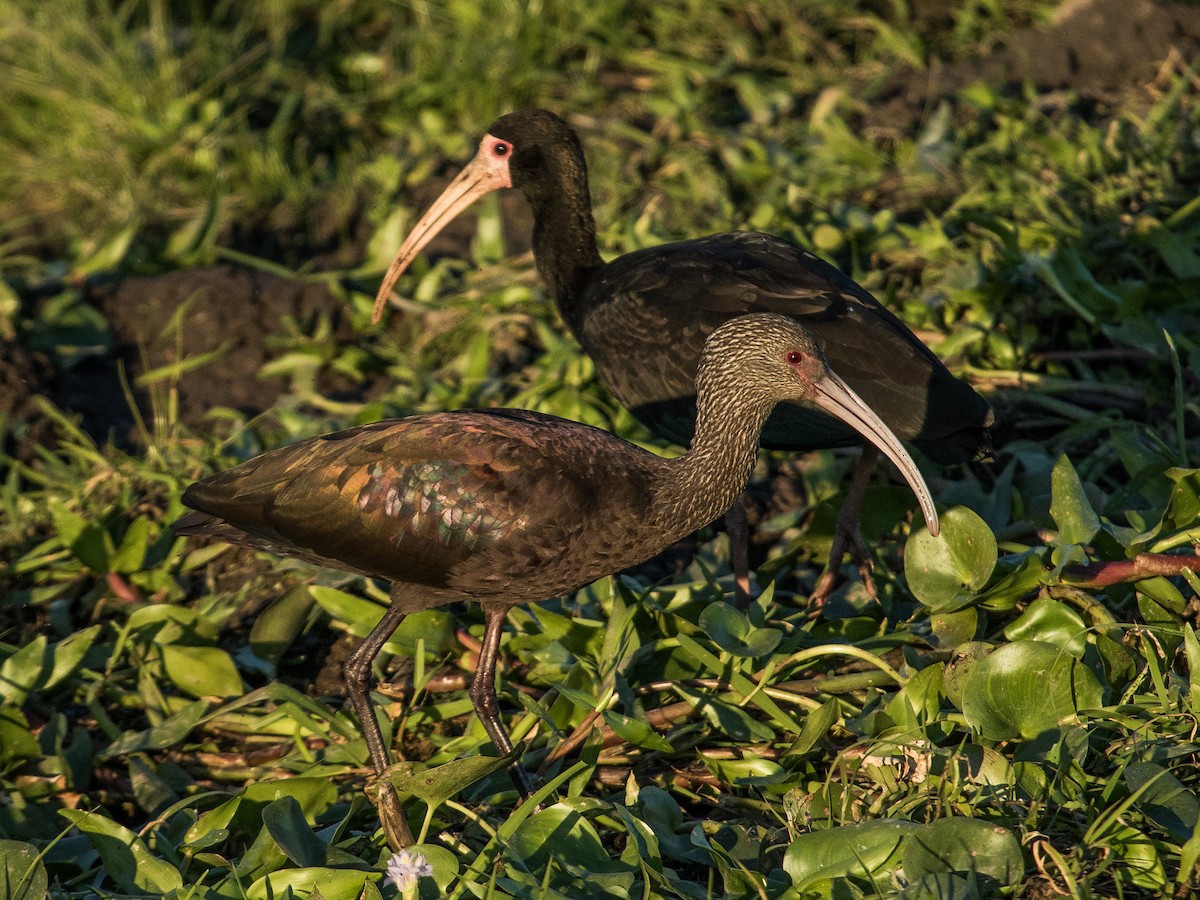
[(437, 785), (561, 832), (816, 725), (1054, 623), (132, 553), (636, 732), (166, 733), (730, 629), (1069, 506), (202, 671), (304, 882), (285, 821), (281, 623), (17, 742), (730, 720), (22, 874), (1026, 688), (127, 860), (848, 850), (67, 654), (963, 844), (22, 671), (1164, 799), (945, 572)]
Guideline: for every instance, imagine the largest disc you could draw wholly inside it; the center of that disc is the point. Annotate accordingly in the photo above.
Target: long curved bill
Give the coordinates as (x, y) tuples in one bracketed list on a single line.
[(835, 397), (482, 175)]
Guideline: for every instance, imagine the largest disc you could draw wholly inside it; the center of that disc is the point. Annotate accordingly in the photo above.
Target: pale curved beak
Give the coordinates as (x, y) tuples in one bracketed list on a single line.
[(482, 175), (835, 397)]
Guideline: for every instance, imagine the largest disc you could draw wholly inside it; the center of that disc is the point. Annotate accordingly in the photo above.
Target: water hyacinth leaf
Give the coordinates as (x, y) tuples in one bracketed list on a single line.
[(951, 629), (1164, 799), (315, 795), (1183, 509), (730, 629), (564, 833), (848, 850), (213, 825), (1053, 622), (945, 572), (917, 703), (434, 626), (1069, 505), (816, 725), (726, 718), (306, 882), (940, 886), (445, 864), (130, 555), (202, 671), (1026, 688), (636, 732), (285, 821), (21, 671), (437, 785), (66, 655), (127, 860), (17, 742), (277, 626), (22, 874), (963, 844), (166, 733)]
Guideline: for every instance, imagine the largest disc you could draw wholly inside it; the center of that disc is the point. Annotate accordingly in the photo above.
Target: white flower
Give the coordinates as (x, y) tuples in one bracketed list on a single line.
[(405, 867)]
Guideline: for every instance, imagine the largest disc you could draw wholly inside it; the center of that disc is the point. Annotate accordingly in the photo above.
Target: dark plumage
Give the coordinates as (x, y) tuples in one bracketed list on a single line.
[(643, 317), (507, 506)]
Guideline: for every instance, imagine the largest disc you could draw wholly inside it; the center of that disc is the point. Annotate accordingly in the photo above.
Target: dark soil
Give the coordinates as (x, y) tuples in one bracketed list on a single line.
[(1101, 51)]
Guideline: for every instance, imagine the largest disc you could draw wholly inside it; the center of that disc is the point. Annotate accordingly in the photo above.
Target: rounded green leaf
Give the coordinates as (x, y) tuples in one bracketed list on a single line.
[(561, 832), (861, 850), (304, 882), (958, 670), (1026, 688), (202, 671), (940, 886), (1051, 621), (945, 572), (127, 860), (22, 875), (731, 630), (962, 844)]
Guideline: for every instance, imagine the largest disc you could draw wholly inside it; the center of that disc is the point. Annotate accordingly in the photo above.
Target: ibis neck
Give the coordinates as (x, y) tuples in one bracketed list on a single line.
[(564, 241), (700, 486)]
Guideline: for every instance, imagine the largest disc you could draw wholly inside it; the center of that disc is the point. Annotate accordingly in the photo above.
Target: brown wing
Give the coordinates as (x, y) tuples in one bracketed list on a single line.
[(417, 499)]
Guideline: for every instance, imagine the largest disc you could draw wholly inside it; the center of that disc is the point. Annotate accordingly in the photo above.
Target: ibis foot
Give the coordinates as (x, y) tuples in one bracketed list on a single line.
[(391, 817), (847, 535)]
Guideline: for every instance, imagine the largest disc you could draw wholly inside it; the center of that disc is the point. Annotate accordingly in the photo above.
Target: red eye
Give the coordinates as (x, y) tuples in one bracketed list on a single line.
[(795, 357), (501, 149)]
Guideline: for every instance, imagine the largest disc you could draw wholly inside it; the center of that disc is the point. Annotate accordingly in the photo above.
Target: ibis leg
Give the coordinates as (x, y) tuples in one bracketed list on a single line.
[(357, 672), (737, 529), (483, 695), (846, 535)]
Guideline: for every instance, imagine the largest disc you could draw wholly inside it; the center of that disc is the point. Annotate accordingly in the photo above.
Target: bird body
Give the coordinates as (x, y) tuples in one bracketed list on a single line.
[(508, 506), (484, 505), (644, 317), (735, 273)]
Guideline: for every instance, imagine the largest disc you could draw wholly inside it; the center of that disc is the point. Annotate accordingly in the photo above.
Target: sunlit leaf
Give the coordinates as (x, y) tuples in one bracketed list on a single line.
[(1025, 688), (127, 860), (946, 571)]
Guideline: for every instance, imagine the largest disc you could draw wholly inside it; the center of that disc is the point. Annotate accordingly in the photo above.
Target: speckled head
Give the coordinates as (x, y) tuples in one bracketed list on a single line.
[(763, 358)]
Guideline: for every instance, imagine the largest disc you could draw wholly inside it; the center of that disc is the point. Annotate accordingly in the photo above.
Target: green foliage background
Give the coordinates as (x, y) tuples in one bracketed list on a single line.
[(1015, 715)]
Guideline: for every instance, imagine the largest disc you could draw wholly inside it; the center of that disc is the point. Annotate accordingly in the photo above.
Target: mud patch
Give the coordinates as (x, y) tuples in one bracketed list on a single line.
[(1102, 51)]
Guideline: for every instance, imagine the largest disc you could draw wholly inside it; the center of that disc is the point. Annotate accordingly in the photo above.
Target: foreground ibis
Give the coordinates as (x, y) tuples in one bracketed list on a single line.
[(643, 319), (510, 506)]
